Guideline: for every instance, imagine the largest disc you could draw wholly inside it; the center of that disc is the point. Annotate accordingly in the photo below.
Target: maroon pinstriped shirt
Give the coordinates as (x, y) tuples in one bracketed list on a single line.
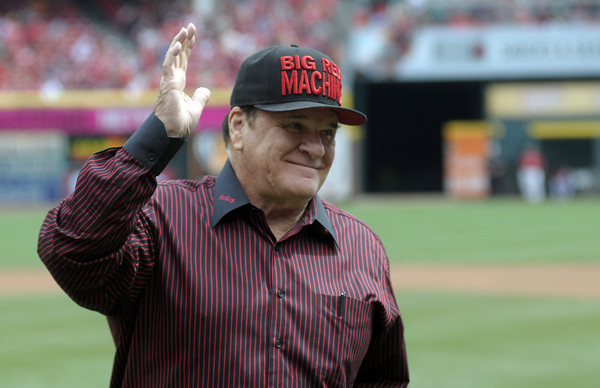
[(197, 291)]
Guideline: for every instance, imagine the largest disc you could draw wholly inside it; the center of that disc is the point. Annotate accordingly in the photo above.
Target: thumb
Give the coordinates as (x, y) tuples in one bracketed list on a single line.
[(201, 95)]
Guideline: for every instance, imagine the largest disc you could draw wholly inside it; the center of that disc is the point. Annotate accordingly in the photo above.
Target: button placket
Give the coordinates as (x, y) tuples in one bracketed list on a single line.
[(278, 293)]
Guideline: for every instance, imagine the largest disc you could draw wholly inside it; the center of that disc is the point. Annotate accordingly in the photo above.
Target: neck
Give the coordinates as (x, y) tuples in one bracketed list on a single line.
[(282, 211), (279, 218)]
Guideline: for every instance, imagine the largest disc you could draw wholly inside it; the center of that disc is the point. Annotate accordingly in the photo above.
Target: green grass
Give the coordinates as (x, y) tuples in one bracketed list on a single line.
[(19, 230), (460, 341), (421, 230), (49, 341), (492, 231), (453, 339)]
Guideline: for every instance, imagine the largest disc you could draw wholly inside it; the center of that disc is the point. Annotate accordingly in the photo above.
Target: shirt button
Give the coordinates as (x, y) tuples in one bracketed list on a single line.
[(278, 343), (280, 293)]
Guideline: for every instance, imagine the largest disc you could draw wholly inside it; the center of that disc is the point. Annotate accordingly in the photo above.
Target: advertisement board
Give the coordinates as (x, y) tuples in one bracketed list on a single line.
[(32, 166), (67, 129)]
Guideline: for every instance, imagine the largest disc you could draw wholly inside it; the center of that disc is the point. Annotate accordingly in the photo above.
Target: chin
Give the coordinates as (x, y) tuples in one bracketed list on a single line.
[(301, 185), (305, 191)]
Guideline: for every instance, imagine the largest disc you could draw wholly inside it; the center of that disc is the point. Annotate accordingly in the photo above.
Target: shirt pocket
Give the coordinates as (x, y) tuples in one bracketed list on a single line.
[(342, 339)]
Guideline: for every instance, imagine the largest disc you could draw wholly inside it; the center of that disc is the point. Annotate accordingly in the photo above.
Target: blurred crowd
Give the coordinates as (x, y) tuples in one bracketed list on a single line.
[(70, 44)]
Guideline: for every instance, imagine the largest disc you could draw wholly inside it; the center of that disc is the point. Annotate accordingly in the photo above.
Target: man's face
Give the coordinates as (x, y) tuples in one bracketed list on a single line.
[(286, 156)]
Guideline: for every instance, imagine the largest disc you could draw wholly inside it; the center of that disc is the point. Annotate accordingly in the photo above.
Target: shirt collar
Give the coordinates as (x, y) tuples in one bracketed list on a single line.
[(320, 216), (228, 196)]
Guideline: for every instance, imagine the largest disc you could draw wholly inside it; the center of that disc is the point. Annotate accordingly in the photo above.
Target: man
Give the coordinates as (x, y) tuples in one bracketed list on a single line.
[(248, 279), (531, 174)]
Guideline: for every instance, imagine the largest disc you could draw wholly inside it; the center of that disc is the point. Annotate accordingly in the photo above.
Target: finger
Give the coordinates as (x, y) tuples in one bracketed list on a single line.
[(192, 41), (175, 39), (181, 58), (172, 54), (191, 27), (179, 39), (176, 47), (188, 44), (185, 57), (191, 30), (184, 54), (186, 49), (177, 57)]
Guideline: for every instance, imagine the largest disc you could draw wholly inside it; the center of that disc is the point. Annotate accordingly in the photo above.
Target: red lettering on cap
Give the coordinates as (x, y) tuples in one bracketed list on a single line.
[(287, 62), (303, 84), (289, 84), (332, 88), (308, 63), (326, 83), (331, 91), (339, 92), (331, 68), (335, 70), (326, 63), (299, 75), (296, 62), (313, 82)]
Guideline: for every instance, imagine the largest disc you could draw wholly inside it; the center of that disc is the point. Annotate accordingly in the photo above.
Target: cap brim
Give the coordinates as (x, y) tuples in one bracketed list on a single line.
[(345, 115)]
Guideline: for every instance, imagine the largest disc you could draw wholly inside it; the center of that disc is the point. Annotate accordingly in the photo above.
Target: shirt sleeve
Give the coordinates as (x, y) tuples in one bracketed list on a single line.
[(98, 243), (385, 364)]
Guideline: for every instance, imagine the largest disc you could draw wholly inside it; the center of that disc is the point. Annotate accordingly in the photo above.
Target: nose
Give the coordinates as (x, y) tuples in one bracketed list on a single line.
[(312, 144)]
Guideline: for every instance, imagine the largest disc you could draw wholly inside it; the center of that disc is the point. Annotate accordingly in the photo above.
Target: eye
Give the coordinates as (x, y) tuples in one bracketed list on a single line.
[(295, 127), (328, 134)]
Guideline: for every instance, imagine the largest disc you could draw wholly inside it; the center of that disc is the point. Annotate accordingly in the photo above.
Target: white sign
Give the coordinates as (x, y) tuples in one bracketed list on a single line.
[(497, 52)]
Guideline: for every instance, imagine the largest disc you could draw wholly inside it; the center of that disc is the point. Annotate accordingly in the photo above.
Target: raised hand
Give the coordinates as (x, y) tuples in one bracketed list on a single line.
[(178, 111)]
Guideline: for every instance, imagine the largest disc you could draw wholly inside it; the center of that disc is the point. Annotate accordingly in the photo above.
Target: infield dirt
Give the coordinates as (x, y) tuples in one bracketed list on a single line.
[(560, 280)]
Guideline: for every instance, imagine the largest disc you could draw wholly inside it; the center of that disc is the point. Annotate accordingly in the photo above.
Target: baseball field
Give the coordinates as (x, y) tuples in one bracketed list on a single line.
[(494, 293)]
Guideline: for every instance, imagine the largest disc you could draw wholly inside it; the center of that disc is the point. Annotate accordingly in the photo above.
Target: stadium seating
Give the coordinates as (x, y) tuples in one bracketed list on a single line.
[(73, 44)]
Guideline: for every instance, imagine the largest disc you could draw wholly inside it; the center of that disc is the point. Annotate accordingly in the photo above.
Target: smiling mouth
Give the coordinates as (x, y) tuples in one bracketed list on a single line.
[(304, 166)]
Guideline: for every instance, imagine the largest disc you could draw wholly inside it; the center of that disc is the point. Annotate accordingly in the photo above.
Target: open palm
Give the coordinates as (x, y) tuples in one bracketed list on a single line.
[(178, 111)]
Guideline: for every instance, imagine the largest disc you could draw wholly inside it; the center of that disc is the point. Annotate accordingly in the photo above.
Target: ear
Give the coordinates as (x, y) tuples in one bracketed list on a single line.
[(237, 122)]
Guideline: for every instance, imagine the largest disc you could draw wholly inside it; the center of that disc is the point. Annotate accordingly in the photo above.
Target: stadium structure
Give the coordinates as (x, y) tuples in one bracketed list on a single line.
[(454, 90)]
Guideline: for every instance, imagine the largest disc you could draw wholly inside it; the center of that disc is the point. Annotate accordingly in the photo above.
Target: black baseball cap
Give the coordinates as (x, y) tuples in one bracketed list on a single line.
[(285, 78)]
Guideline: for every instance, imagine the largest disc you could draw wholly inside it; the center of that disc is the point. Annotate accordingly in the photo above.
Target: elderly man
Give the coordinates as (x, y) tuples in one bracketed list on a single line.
[(247, 279)]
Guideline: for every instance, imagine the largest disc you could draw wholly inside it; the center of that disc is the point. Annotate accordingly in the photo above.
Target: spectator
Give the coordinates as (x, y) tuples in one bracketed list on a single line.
[(57, 46)]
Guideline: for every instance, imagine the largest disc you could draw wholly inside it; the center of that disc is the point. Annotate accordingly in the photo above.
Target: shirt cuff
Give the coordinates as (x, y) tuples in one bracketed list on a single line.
[(151, 146)]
